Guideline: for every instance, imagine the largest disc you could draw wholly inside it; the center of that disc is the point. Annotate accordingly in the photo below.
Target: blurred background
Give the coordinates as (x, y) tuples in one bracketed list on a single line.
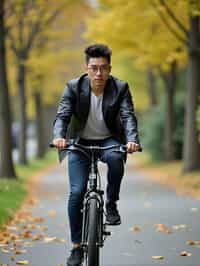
[(155, 47)]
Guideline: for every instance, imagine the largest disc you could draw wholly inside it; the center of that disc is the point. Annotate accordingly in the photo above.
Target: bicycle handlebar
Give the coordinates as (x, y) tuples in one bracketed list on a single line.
[(122, 148)]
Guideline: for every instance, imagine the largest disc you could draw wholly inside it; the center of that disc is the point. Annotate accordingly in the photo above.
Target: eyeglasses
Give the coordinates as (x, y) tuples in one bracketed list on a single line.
[(102, 68)]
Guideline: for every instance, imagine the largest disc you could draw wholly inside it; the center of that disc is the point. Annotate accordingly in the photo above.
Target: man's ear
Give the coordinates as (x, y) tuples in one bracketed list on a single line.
[(86, 68)]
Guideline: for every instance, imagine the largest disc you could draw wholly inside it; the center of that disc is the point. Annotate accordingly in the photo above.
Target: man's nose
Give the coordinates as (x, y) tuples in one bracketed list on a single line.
[(98, 71)]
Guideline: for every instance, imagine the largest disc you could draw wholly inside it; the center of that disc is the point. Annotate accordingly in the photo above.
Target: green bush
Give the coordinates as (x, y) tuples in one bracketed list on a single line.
[(152, 129)]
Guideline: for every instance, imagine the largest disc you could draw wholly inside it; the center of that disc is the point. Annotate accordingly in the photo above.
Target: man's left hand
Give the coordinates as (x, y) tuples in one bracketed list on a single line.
[(132, 147)]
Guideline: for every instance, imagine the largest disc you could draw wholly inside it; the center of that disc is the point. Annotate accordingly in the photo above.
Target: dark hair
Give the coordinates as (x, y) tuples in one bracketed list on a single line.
[(98, 50)]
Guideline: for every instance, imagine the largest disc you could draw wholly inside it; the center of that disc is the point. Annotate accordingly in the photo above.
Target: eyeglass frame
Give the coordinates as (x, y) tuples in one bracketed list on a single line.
[(101, 68)]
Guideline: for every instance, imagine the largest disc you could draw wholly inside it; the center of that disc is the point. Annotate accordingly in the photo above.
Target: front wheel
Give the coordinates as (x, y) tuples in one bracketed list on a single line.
[(93, 234)]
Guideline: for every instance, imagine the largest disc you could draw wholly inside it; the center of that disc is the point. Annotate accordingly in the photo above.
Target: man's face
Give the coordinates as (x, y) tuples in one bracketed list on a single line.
[(98, 70)]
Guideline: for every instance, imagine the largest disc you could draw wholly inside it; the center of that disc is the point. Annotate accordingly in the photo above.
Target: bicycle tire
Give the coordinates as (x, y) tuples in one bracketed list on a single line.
[(92, 234)]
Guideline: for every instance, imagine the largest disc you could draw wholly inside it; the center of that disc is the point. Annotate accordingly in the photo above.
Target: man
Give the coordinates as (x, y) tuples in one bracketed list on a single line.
[(95, 109)]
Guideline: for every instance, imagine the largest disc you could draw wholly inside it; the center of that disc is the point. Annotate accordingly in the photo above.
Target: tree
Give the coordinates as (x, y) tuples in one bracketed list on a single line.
[(6, 163), (191, 39), (29, 20), (151, 84), (169, 79)]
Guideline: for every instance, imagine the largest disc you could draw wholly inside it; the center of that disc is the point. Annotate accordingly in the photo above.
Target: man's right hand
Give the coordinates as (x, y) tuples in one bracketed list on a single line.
[(60, 143)]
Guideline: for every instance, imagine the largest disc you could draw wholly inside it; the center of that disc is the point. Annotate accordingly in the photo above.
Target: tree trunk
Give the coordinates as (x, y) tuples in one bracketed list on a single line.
[(39, 125), (191, 150), (22, 110), (151, 87), (169, 127), (6, 163)]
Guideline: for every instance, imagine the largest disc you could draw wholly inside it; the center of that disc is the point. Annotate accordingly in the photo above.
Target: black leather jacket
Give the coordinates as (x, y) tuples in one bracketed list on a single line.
[(117, 107)]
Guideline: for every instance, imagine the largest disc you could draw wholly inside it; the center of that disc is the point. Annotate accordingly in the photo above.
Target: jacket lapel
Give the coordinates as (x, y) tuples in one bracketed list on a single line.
[(84, 100), (108, 98)]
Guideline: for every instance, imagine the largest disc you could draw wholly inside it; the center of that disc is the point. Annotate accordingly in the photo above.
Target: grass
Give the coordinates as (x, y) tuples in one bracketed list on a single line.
[(13, 192)]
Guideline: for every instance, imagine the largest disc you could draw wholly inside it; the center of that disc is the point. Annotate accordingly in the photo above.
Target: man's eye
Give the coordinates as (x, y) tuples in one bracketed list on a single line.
[(94, 68)]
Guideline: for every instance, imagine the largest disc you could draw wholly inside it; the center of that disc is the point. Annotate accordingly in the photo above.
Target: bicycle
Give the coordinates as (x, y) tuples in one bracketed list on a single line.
[(94, 230)]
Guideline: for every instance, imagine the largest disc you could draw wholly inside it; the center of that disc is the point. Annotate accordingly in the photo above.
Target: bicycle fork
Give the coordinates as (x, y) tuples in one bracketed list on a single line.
[(102, 233)]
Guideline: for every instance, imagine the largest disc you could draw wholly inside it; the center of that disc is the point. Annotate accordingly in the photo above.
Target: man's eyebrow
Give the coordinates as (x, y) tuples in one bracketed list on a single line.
[(98, 65)]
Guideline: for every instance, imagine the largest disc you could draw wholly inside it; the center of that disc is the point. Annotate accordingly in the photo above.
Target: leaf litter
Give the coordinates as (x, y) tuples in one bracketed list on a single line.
[(22, 231)]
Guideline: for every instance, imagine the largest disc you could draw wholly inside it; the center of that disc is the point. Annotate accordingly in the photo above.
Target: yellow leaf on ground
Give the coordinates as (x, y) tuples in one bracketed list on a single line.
[(185, 254), (179, 226), (54, 239), (192, 242), (38, 219), (3, 245), (5, 250), (22, 262), (12, 258), (26, 234), (163, 228), (158, 257), (49, 239), (17, 251), (37, 237), (135, 228)]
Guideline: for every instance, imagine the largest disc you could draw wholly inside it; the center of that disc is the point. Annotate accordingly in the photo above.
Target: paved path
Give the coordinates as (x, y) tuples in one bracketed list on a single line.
[(143, 204)]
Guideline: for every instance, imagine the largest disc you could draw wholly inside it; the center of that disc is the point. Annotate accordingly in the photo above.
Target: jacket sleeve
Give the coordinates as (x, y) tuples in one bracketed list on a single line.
[(65, 110), (127, 115)]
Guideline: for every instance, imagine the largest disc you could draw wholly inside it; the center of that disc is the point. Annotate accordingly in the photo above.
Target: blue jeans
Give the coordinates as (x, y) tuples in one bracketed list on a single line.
[(78, 167)]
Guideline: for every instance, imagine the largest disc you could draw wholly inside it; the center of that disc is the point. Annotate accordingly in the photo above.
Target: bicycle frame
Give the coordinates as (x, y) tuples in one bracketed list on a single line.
[(93, 192)]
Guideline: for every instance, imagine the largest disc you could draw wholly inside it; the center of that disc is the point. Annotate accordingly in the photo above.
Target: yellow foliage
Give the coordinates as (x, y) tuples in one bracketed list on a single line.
[(47, 60), (194, 7), (134, 28)]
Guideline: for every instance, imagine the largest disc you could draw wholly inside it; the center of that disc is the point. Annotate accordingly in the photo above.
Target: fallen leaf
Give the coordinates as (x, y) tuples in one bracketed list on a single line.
[(179, 226), (11, 228), (62, 240), (185, 254), (17, 251), (158, 257), (38, 220), (163, 228), (52, 213), (135, 228), (26, 234), (54, 239), (192, 242), (37, 237), (32, 201), (28, 244), (33, 226), (49, 239), (3, 245), (5, 250), (22, 262)]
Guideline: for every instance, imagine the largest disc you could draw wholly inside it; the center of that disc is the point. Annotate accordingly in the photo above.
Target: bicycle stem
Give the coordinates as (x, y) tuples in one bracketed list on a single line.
[(93, 173)]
